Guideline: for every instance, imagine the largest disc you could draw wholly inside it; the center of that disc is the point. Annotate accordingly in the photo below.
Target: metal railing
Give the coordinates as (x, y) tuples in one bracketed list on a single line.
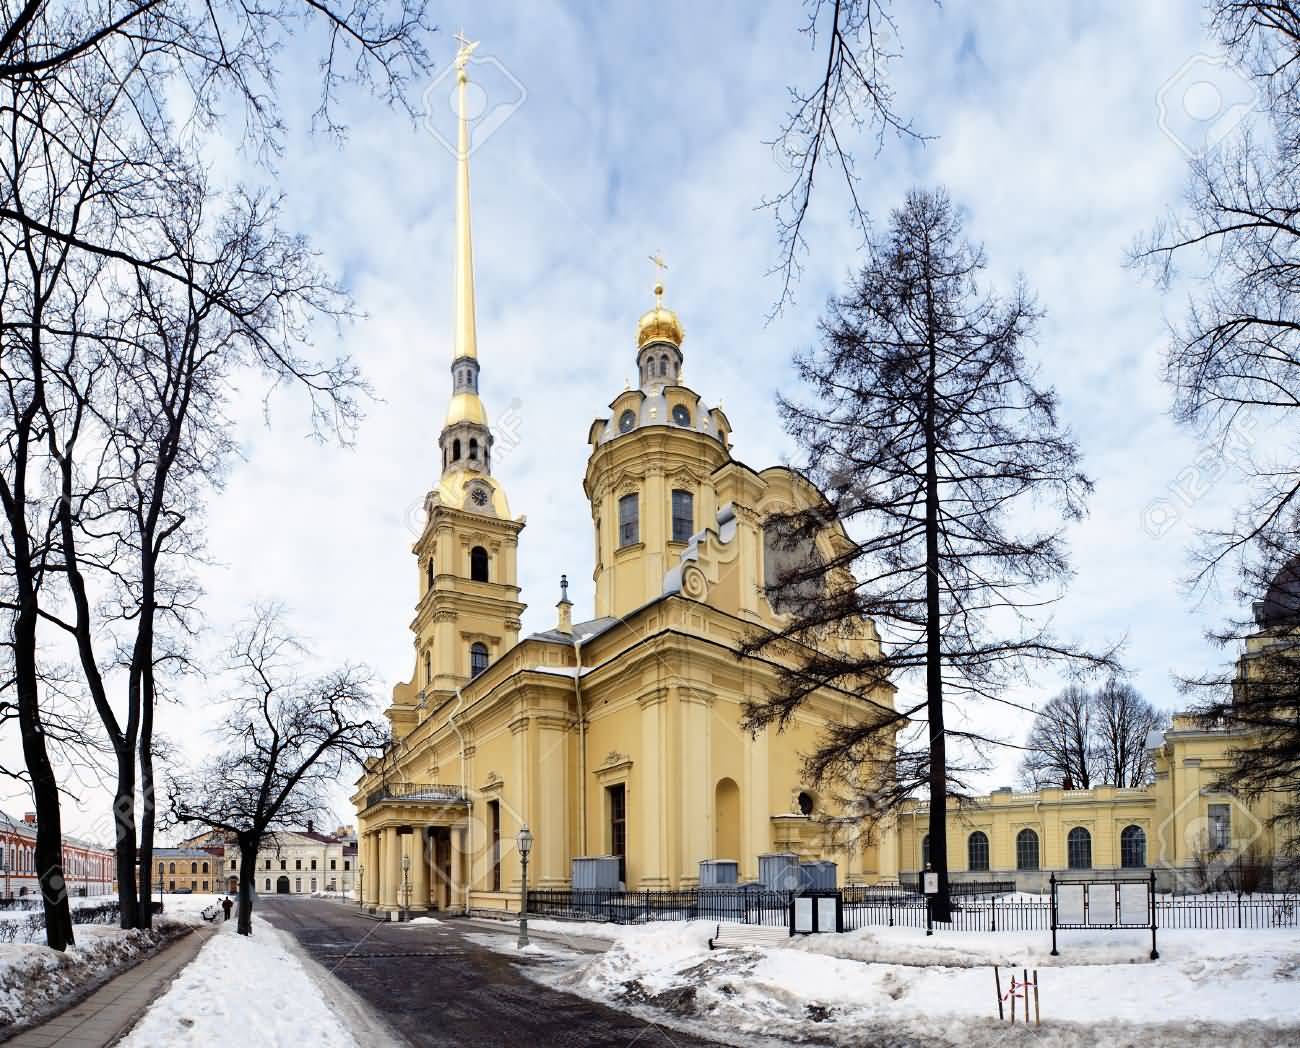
[(866, 906), (741, 905), (416, 792)]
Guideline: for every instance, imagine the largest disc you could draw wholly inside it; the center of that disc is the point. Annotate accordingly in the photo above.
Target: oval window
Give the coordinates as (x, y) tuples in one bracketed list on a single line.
[(626, 420), (682, 415)]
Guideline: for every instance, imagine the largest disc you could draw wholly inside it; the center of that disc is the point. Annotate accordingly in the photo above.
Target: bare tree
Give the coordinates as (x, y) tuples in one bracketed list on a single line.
[(852, 96), (1123, 722), (1236, 354), (927, 430), (1236, 358), (289, 738), (151, 291), (1062, 747), (1087, 737)]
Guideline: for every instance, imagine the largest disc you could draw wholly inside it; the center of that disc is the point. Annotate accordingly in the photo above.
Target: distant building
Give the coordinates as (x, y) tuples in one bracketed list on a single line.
[(187, 869), (291, 862), (87, 867)]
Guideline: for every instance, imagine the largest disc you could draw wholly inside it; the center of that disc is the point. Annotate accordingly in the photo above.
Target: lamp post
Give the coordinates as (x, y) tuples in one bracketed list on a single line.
[(524, 842), (406, 886), (361, 885)]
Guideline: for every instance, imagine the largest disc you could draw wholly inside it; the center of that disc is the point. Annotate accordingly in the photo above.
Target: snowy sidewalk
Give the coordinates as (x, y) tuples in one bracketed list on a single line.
[(112, 1009), (255, 982)]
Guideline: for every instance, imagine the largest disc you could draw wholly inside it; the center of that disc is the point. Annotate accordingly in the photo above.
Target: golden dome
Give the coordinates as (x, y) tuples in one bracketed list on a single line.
[(659, 324), (466, 407)]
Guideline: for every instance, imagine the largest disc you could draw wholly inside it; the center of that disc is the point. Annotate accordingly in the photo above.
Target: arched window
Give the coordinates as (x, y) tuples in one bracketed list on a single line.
[(626, 420), (629, 522), (473, 447), (977, 851), (455, 449), (683, 516), (171, 867), (194, 867), (160, 867), (806, 803), (428, 573), (205, 867), (1133, 847), (925, 852), (478, 658), (478, 564), (1078, 846), (663, 366), (428, 668), (1026, 850), (268, 884)]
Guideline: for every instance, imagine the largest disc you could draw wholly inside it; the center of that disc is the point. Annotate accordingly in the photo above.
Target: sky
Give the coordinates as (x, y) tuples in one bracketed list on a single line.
[(612, 132)]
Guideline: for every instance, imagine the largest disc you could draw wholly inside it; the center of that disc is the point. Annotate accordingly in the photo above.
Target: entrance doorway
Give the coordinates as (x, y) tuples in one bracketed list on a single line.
[(282, 886), (232, 886)]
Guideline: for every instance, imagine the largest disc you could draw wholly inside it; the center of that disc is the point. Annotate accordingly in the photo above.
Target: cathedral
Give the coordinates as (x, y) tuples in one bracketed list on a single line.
[(620, 736)]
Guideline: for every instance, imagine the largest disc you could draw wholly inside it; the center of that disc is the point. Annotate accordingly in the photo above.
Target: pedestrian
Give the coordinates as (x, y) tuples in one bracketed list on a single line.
[(227, 905)]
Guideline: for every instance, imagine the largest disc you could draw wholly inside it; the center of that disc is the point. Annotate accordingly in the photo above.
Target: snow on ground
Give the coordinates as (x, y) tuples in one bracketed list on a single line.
[(236, 982), (1240, 988), (33, 977)]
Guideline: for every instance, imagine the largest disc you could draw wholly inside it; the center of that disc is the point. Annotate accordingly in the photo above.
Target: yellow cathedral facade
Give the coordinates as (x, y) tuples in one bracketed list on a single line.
[(620, 736)]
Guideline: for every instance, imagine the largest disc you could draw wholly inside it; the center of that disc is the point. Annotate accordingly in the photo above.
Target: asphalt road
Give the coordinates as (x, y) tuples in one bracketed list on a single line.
[(436, 986)]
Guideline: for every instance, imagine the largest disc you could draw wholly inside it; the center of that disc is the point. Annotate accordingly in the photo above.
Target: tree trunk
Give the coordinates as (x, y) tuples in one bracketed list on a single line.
[(942, 908), (124, 819), (247, 862), (145, 914)]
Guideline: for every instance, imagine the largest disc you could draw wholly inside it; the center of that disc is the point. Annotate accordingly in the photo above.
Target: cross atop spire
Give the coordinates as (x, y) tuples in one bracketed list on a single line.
[(466, 49), (658, 259)]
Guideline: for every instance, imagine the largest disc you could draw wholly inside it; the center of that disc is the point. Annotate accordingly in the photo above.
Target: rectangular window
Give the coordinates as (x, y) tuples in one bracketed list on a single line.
[(683, 516), (333, 864), (313, 864), (618, 827), (1220, 827), (629, 523), (297, 864), (347, 864), (205, 885), (494, 831)]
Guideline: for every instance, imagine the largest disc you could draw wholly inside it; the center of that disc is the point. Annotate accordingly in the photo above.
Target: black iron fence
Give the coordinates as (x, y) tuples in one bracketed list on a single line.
[(741, 905), (864, 906)]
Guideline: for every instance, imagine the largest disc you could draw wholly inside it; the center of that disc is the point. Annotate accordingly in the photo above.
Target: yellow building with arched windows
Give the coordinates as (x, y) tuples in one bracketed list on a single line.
[(621, 735)]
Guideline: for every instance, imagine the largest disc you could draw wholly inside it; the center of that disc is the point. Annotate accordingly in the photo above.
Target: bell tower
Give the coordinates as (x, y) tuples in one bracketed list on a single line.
[(468, 613)]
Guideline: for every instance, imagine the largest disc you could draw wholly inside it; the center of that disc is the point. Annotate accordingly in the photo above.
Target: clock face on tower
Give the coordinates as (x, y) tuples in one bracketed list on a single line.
[(479, 497)]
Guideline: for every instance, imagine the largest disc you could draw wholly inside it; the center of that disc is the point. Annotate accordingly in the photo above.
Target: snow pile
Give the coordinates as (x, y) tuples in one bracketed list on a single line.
[(240, 982), (33, 978), (841, 987)]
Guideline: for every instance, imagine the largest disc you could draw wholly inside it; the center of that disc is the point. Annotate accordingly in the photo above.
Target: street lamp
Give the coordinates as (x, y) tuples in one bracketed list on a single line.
[(406, 885), (524, 842), (361, 885)]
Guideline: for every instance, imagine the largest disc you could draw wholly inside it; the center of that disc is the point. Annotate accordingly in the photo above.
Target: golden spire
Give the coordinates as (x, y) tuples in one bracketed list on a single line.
[(466, 334)]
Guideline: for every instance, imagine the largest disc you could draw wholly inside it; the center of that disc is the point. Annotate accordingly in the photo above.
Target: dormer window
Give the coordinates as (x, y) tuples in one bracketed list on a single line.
[(626, 420), (682, 415)]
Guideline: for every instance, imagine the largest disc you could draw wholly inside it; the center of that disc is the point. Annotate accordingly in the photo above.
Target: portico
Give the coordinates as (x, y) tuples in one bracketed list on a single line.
[(411, 846)]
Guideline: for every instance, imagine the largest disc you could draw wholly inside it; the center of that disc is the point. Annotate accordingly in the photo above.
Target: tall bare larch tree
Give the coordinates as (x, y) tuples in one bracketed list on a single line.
[(926, 429)]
